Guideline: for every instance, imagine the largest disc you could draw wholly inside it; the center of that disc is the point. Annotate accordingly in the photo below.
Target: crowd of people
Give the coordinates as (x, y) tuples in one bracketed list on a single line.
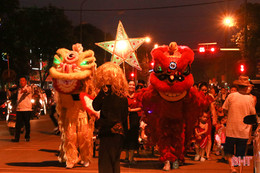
[(218, 129), (221, 130)]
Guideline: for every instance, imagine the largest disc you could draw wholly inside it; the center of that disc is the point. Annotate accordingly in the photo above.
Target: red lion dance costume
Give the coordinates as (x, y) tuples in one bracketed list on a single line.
[(171, 104)]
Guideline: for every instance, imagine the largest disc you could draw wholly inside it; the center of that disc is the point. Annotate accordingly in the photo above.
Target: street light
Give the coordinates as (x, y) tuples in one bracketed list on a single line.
[(80, 19), (147, 39), (228, 21)]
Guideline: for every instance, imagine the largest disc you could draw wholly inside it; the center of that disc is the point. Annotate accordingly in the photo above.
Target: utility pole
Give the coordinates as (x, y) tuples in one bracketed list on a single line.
[(80, 19), (245, 27)]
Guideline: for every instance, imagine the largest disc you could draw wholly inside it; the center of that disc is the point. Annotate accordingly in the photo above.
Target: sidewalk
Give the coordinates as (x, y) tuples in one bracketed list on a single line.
[(39, 155)]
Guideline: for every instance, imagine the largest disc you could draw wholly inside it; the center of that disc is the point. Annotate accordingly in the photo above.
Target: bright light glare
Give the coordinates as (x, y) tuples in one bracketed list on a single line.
[(242, 68), (228, 21), (147, 39), (121, 45), (212, 49), (156, 45), (202, 49)]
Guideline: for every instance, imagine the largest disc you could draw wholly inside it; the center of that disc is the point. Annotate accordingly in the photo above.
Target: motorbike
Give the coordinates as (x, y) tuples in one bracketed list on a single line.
[(11, 117), (254, 120), (36, 105), (3, 105)]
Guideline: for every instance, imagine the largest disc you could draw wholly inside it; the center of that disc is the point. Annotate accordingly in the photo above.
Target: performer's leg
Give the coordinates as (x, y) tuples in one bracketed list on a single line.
[(53, 119), (61, 123), (109, 154), (104, 162), (19, 120), (171, 144), (61, 156), (85, 141), (26, 119), (70, 145)]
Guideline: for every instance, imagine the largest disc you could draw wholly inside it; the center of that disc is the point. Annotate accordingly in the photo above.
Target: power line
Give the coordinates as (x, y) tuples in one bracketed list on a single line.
[(150, 8)]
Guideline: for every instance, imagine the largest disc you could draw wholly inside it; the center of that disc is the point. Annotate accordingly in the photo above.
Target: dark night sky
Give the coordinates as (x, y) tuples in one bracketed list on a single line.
[(185, 25)]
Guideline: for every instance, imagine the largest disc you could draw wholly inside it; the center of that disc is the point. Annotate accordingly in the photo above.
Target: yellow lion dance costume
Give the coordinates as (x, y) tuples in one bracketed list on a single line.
[(72, 77)]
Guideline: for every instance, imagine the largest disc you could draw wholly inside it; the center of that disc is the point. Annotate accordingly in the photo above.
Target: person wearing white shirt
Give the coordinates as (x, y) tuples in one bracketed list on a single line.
[(23, 110), (238, 105)]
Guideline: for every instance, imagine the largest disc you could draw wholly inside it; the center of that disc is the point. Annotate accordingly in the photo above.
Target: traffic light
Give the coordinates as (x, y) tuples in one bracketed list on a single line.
[(242, 67), (213, 49), (202, 49), (208, 48)]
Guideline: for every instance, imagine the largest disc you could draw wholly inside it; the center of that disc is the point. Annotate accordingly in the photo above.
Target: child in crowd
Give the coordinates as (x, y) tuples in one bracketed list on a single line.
[(220, 136), (233, 89), (201, 134), (219, 110)]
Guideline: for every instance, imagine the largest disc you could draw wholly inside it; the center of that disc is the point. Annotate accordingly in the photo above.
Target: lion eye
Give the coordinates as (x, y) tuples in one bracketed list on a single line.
[(158, 69), (84, 62), (187, 70)]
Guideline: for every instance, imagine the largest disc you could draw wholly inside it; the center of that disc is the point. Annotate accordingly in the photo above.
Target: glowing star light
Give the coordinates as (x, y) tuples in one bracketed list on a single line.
[(123, 49)]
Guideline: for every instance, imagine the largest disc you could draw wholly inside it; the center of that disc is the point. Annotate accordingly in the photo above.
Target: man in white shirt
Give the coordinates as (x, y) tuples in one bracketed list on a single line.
[(23, 110), (238, 105)]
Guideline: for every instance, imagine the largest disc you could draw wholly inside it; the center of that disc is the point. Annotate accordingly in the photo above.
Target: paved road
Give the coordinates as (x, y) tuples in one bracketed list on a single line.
[(39, 155)]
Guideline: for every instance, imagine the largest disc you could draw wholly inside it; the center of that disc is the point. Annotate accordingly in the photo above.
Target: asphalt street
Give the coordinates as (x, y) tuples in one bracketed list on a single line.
[(40, 155)]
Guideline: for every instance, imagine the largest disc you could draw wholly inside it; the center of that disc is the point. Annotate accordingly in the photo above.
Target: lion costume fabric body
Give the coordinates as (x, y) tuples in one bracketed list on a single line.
[(171, 104), (71, 73)]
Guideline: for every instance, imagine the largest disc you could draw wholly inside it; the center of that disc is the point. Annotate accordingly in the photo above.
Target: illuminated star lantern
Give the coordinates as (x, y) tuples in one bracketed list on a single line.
[(123, 48)]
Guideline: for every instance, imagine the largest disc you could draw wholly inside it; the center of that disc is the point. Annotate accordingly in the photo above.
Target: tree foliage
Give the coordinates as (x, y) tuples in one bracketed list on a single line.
[(30, 34), (253, 32)]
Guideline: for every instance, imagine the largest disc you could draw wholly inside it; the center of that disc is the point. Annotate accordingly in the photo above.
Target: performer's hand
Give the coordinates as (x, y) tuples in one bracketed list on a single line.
[(105, 88)]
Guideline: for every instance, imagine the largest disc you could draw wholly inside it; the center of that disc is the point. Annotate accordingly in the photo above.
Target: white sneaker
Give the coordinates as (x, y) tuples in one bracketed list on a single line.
[(197, 157), (86, 164), (202, 159), (167, 165)]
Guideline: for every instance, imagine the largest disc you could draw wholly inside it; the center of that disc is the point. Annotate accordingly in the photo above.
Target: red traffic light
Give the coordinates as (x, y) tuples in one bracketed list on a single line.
[(213, 49), (208, 48), (202, 49), (242, 68)]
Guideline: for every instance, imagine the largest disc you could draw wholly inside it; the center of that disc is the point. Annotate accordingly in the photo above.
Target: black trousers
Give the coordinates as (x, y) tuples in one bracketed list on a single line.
[(53, 119), (22, 117), (109, 154)]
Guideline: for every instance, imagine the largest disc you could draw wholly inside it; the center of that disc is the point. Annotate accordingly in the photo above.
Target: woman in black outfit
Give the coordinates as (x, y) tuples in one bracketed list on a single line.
[(113, 105), (131, 143)]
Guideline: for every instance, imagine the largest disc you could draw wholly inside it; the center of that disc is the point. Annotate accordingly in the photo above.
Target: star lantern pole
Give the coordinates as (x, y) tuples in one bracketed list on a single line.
[(123, 48)]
